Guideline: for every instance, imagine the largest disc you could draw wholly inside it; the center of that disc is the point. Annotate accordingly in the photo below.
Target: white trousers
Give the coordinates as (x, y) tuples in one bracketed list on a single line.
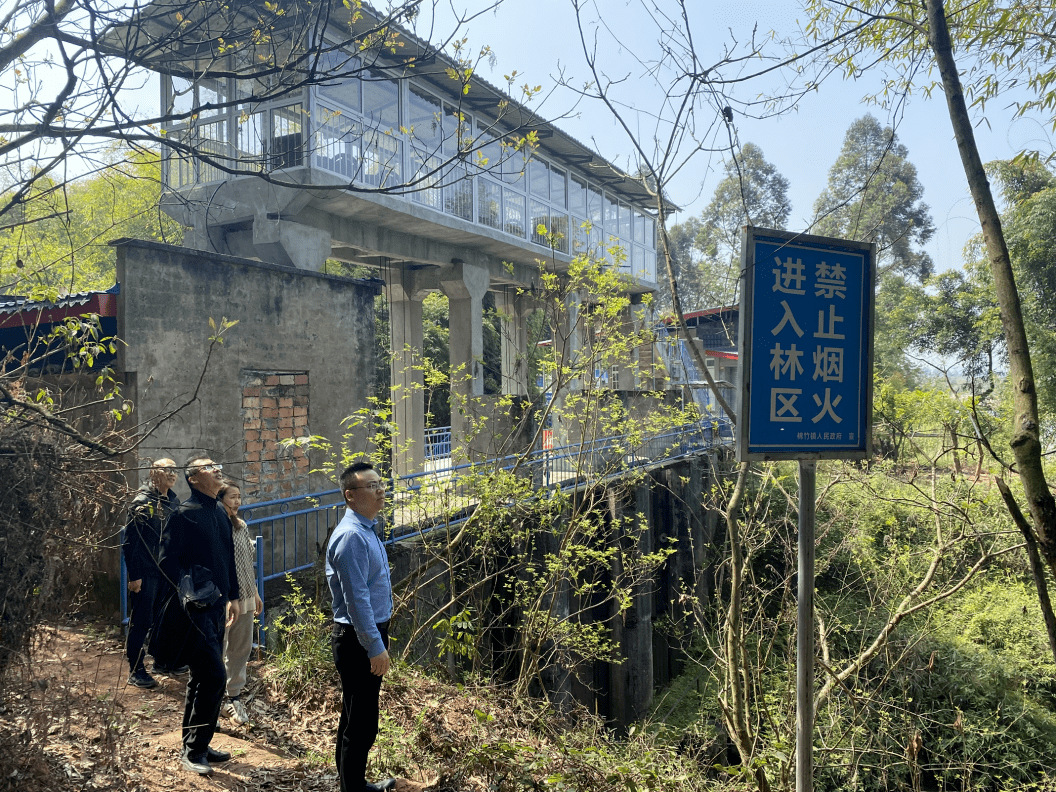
[(238, 643)]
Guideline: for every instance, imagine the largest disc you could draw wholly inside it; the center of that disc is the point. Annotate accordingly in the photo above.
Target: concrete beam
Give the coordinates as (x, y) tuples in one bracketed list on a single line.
[(374, 239)]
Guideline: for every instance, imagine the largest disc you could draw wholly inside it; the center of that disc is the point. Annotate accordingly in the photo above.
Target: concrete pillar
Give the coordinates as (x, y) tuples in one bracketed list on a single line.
[(465, 286), (632, 681), (514, 308), (567, 344), (408, 379)]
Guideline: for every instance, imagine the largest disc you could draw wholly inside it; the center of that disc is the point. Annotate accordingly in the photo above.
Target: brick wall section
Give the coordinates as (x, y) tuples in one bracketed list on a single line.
[(274, 408)]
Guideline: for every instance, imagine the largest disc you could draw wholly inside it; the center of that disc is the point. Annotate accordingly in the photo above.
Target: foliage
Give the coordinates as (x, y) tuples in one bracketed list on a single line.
[(705, 250), (298, 643), (894, 549), (1003, 46), (61, 238), (752, 192), (476, 735)]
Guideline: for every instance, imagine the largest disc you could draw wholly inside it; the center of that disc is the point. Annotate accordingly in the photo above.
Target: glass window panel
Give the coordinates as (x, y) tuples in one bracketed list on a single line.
[(559, 226), (488, 156), (427, 188), (345, 87), (649, 268), (580, 236), (181, 98), (286, 146), (639, 228), (611, 216), (577, 196), (489, 203), (381, 100), (540, 217), (625, 221), (458, 193), (211, 90), (594, 245), (212, 144), (458, 130), (594, 207), (381, 159), (252, 134), (513, 212), (539, 179), (180, 166), (424, 120), (557, 187), (638, 262), (338, 143), (650, 233), (513, 167)]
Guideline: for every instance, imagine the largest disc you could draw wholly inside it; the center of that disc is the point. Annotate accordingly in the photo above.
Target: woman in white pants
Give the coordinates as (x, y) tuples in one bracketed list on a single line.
[(238, 638)]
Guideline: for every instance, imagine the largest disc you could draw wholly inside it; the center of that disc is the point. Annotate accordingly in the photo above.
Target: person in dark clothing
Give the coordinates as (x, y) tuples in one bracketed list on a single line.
[(197, 545), (147, 514)]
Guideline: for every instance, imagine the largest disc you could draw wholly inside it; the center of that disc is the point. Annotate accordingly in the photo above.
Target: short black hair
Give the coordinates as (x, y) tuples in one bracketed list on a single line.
[(351, 472), (190, 469)]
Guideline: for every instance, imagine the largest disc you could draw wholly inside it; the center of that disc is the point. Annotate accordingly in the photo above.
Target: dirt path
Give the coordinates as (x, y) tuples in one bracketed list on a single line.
[(100, 733)]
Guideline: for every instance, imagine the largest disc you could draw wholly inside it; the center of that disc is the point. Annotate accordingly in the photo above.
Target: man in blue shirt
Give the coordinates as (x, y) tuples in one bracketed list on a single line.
[(357, 569)]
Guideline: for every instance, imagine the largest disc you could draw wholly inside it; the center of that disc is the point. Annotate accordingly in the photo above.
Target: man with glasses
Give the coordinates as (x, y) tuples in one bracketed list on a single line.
[(154, 503), (198, 558), (357, 569)]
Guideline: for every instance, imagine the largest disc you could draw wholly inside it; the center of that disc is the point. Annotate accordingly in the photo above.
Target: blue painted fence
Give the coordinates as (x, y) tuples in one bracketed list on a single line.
[(298, 526)]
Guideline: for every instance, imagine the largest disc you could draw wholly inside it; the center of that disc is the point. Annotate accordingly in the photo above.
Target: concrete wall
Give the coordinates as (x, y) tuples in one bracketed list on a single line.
[(302, 338)]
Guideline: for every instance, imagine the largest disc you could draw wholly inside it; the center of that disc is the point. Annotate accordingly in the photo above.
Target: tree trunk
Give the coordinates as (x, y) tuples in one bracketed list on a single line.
[(1026, 442)]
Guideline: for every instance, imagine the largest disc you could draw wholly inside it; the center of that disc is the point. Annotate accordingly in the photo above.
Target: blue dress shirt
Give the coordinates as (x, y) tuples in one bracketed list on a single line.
[(357, 569)]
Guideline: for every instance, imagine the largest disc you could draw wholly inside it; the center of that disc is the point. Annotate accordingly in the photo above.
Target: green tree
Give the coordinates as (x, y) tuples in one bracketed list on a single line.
[(61, 240), (705, 250), (696, 270), (873, 194), (752, 192), (1003, 46)]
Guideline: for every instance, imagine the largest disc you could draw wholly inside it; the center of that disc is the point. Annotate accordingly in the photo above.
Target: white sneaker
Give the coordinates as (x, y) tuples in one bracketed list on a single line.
[(235, 710)]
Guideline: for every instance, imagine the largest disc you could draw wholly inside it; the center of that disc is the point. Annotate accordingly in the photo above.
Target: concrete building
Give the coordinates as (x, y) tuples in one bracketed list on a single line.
[(282, 373), (397, 162), (714, 332)]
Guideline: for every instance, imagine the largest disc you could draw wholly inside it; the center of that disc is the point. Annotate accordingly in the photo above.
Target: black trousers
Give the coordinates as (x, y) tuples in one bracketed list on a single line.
[(357, 728), (140, 621), (205, 688)]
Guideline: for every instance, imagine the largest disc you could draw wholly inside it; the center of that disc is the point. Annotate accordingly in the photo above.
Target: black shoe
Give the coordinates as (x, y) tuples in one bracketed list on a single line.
[(141, 679), (171, 670), (196, 764), (381, 786), (214, 755)]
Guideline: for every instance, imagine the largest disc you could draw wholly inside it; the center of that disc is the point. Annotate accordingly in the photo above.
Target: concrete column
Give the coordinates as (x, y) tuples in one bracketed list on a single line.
[(408, 379), (515, 308), (465, 286), (567, 344), (632, 680)]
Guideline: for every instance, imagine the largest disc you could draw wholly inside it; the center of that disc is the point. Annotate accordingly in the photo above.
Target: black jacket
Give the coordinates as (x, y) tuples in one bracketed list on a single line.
[(199, 535), (147, 514)]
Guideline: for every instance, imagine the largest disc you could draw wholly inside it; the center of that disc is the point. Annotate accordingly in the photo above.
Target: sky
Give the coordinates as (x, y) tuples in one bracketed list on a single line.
[(541, 41)]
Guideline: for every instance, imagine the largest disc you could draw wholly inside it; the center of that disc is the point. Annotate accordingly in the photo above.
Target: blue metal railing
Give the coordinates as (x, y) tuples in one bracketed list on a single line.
[(437, 443), (291, 532)]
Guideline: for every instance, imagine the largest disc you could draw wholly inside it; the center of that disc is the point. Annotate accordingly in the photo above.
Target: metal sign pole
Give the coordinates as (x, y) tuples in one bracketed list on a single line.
[(805, 630)]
